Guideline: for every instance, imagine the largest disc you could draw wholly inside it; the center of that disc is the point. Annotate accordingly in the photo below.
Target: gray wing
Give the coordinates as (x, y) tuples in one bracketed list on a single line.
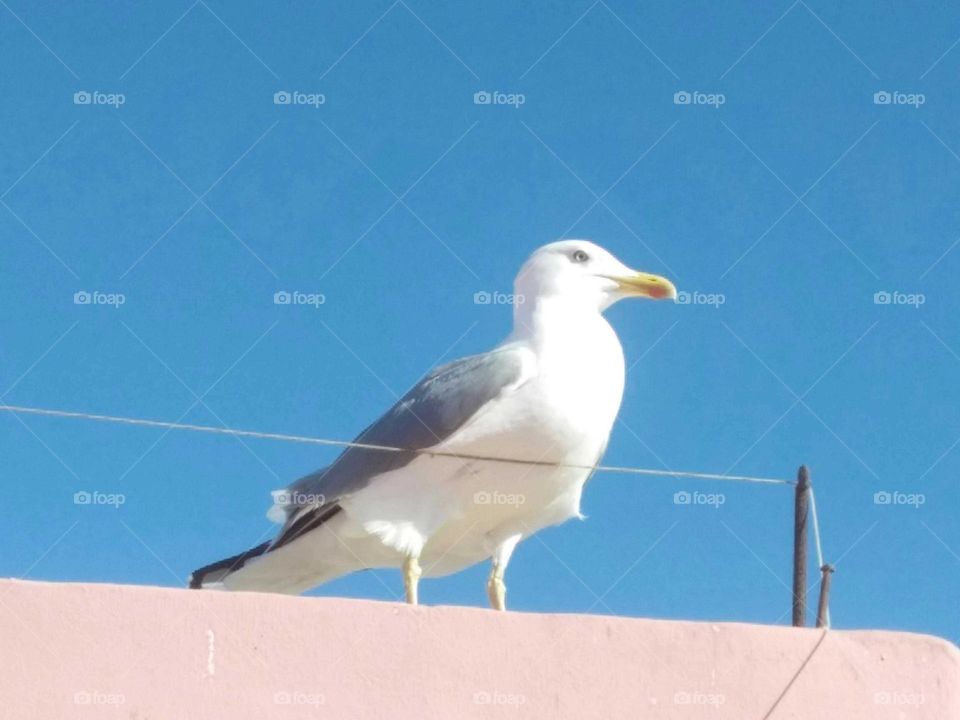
[(433, 410)]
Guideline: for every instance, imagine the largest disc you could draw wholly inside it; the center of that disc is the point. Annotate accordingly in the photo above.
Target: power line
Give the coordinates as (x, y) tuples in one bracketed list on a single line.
[(144, 422)]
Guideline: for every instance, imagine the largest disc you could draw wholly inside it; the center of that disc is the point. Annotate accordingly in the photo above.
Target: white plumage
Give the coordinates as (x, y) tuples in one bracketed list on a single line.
[(549, 393)]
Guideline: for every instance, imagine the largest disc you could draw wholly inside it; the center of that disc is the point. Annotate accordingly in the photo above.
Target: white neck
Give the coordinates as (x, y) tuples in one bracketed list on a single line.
[(566, 332), (578, 358)]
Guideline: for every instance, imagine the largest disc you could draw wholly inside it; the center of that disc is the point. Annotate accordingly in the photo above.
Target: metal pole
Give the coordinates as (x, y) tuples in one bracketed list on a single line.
[(801, 504), (823, 604)]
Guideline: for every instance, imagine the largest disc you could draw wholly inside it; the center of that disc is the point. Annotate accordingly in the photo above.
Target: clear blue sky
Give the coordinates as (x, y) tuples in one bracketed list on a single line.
[(795, 196)]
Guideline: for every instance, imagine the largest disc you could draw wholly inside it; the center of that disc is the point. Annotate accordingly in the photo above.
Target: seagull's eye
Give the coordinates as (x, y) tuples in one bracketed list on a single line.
[(579, 256)]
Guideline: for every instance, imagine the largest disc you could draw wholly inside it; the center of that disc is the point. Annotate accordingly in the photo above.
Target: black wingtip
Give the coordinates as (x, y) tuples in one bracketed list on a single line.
[(229, 565)]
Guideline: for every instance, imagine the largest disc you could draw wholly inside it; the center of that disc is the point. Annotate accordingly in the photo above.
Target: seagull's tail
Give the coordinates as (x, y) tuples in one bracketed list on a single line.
[(289, 568), (211, 577)]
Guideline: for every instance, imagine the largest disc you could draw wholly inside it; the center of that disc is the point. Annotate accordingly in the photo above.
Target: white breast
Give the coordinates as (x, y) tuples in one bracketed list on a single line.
[(560, 411), (580, 380)]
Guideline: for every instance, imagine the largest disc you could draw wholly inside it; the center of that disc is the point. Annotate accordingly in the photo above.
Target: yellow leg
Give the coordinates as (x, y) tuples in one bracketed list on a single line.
[(411, 576), (496, 589)]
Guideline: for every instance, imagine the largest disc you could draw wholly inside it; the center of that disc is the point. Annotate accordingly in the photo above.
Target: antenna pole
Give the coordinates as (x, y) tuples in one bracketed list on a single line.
[(801, 507)]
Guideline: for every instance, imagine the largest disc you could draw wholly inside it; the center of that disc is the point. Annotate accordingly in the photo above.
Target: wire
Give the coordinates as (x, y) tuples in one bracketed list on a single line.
[(143, 422), (816, 528)]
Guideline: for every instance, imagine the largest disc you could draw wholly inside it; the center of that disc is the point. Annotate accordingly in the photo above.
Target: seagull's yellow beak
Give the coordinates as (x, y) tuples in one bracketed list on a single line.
[(646, 285)]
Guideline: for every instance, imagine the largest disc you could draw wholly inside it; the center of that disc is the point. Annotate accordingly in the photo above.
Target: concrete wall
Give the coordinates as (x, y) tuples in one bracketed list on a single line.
[(91, 651)]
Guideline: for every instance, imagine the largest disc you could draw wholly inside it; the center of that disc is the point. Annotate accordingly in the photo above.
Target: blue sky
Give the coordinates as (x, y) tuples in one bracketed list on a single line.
[(786, 190)]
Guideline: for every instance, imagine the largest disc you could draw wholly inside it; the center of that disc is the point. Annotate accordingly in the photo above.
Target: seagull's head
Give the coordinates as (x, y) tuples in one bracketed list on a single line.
[(586, 273)]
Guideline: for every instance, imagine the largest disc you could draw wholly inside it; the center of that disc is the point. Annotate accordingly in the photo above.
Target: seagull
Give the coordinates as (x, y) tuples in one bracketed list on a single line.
[(481, 453)]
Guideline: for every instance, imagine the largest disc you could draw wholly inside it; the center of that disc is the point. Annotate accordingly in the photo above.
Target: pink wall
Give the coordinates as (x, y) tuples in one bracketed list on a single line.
[(92, 651)]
